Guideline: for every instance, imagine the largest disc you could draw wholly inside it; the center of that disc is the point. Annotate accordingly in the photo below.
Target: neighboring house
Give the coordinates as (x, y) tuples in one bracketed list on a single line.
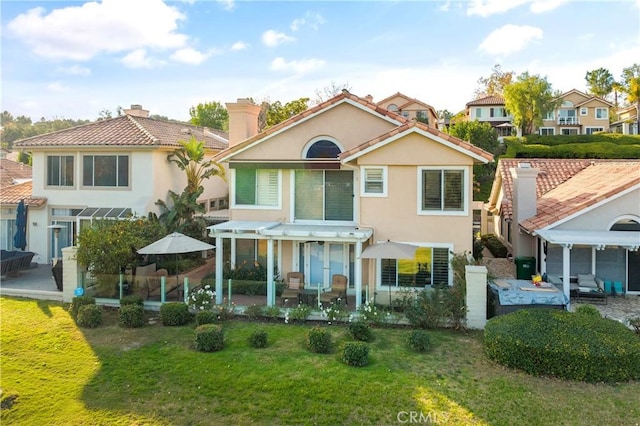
[(578, 114), (109, 169), (627, 122), (309, 194), (573, 216), (15, 186), (410, 108), (490, 109)]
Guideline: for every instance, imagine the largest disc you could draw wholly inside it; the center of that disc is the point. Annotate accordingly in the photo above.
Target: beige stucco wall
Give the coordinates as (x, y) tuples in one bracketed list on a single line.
[(600, 218), (588, 120)]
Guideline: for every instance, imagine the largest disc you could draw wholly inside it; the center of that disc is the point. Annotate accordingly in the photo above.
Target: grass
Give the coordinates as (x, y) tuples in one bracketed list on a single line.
[(56, 373)]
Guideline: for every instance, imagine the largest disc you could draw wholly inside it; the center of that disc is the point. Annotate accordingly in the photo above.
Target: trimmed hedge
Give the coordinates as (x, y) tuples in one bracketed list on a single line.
[(89, 316), (548, 342), (132, 299), (174, 313), (131, 316), (615, 138), (209, 338), (588, 146), (360, 330), (258, 339), (319, 340), (355, 354), (79, 301), (206, 317), (419, 341), (494, 245)]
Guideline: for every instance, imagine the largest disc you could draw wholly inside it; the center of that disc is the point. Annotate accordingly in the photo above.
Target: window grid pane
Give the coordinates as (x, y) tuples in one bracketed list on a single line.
[(245, 186), (374, 181), (431, 190), (267, 187), (338, 195), (453, 190), (309, 194)]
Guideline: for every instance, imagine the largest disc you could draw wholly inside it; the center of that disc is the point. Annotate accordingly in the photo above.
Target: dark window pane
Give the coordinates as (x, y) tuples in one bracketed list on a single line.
[(87, 170), (431, 189), (309, 194), (105, 170), (323, 149), (246, 186), (388, 272), (339, 195), (53, 170), (453, 197), (123, 170), (67, 171), (440, 266)]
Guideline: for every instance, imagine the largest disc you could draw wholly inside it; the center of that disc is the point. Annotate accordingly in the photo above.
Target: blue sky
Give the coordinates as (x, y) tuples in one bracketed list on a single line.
[(74, 59)]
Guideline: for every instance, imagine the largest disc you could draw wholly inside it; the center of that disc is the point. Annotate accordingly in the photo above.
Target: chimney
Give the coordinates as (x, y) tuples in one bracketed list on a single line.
[(137, 111), (369, 98), (243, 120), (524, 201)]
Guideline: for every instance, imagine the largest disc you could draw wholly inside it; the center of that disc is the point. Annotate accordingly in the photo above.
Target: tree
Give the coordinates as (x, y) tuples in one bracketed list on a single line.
[(630, 82), (529, 99), (599, 82), (190, 159), (495, 83), (330, 91), (276, 112), (22, 127), (212, 115)]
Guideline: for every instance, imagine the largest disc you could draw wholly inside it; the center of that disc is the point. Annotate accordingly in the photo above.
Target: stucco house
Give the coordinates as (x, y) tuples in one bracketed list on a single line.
[(490, 109), (578, 114), (573, 216), (108, 169), (309, 194), (627, 122), (410, 108)]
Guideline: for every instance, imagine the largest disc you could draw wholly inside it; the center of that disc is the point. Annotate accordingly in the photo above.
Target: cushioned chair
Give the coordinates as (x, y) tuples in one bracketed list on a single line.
[(608, 287), (338, 289), (617, 288), (294, 286)]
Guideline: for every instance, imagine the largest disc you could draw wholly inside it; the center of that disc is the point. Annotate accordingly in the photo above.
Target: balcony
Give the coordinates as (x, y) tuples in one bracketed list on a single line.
[(568, 121)]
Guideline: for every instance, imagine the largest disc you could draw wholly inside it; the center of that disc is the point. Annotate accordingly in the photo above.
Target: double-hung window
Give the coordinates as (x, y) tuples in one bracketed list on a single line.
[(257, 187), (324, 195), (602, 113), (105, 170), (442, 190), (374, 181), (60, 170)]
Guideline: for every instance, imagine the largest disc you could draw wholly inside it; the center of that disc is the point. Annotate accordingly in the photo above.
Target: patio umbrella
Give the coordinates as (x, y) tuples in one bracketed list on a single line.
[(175, 243), (20, 237), (389, 250)]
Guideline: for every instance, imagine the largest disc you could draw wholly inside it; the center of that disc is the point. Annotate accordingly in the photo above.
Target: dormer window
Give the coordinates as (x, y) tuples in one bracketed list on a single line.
[(323, 149)]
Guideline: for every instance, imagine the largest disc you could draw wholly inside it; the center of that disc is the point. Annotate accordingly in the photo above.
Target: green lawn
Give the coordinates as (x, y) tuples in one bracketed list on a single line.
[(57, 373)]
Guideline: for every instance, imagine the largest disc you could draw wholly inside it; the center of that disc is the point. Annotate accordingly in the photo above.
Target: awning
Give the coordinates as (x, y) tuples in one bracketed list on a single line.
[(291, 231), (599, 239)]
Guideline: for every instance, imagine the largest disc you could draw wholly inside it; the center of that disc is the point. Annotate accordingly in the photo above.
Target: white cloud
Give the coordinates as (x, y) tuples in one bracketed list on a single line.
[(273, 38), (138, 59), (541, 6), (75, 70), (227, 4), (190, 56), (239, 45), (509, 39), (57, 86), (444, 7), (298, 67), (82, 32), (310, 19), (486, 8)]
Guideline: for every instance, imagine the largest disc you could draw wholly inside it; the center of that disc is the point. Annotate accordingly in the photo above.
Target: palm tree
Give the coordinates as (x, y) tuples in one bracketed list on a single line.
[(631, 86), (190, 158)]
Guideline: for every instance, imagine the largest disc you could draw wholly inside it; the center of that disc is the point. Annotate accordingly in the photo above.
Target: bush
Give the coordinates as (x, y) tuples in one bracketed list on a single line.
[(132, 299), (254, 311), (360, 330), (438, 307), (209, 338), (258, 339), (79, 301), (588, 310), (635, 324), (300, 313), (478, 246), (494, 245), (131, 316), (174, 314), (89, 316), (224, 312), (272, 312), (419, 341), (563, 344), (319, 340), (355, 354), (206, 317)]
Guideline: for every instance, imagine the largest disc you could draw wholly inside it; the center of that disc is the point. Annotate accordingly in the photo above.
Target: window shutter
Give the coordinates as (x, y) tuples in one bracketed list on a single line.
[(338, 195), (245, 186), (440, 266), (431, 189), (453, 190), (267, 188), (373, 181)]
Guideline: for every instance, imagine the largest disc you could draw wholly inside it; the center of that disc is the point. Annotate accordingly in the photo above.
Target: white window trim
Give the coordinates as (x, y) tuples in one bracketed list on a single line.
[(385, 181), (292, 205), (606, 117), (553, 130), (79, 173), (584, 111), (232, 194), (76, 173), (305, 149), (465, 191)]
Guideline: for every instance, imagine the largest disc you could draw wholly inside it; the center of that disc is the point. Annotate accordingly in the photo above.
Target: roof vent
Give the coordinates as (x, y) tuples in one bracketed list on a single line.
[(186, 131), (524, 165)]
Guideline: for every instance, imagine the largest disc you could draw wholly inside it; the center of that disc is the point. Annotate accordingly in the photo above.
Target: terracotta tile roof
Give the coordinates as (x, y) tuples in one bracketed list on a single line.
[(127, 130), (593, 184), (416, 124), (487, 100), (10, 170), (12, 194), (311, 111)]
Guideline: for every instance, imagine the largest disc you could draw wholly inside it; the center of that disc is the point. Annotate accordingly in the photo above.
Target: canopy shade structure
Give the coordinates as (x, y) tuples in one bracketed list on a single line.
[(175, 243), (389, 250)]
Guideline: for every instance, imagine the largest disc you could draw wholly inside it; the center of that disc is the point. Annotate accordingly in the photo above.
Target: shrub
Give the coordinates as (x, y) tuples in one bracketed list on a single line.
[(494, 245), (132, 299), (202, 298), (369, 312), (272, 312), (258, 339), (419, 341), (588, 310), (478, 246), (131, 316), (254, 311), (334, 312), (224, 312), (174, 313), (89, 316), (360, 330), (355, 354), (209, 338), (319, 340), (300, 313), (635, 323), (79, 301), (206, 317), (564, 344)]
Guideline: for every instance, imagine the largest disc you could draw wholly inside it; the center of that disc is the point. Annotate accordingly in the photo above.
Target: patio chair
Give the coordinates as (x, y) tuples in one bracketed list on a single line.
[(294, 286), (618, 289), (338, 289)]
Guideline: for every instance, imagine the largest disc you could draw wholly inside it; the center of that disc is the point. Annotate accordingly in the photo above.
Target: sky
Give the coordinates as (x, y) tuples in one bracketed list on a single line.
[(75, 59)]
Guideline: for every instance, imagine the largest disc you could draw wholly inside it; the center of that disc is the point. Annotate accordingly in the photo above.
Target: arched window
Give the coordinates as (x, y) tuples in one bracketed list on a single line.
[(323, 149), (393, 107), (625, 225)]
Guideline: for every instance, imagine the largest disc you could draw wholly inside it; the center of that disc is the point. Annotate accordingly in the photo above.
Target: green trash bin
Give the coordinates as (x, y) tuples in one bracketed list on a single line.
[(525, 267)]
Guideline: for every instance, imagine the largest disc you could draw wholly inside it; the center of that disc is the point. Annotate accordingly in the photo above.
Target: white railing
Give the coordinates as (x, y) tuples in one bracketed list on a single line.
[(568, 120)]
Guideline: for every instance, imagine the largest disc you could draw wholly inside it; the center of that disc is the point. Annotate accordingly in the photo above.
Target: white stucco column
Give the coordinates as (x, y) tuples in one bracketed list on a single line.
[(566, 271), (476, 298), (71, 273), (219, 264), (543, 257), (357, 274), (271, 288), (593, 260)]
